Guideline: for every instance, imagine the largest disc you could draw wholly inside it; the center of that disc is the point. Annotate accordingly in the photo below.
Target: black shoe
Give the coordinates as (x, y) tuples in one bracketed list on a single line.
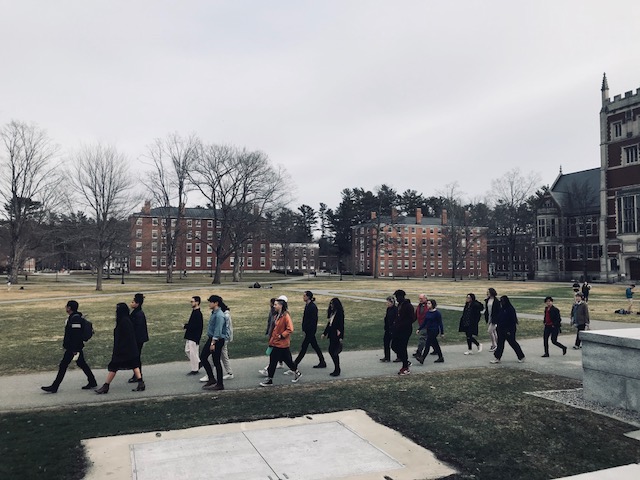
[(89, 386), (420, 359), (133, 380), (433, 353), (397, 360), (103, 389), (564, 350), (440, 360), (50, 389), (545, 355), (385, 359), (320, 365), (193, 372), (140, 388), (335, 374)]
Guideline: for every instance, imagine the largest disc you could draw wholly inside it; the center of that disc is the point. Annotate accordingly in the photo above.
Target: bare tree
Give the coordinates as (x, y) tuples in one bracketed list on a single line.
[(103, 185), (241, 187), (456, 230), (28, 186), (512, 212), (172, 158)]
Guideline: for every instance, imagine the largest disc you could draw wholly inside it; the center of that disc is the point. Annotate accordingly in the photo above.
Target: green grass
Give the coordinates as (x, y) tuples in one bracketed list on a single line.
[(479, 421)]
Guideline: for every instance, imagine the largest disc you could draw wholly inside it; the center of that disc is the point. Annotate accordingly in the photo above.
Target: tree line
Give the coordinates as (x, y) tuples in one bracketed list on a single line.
[(71, 209)]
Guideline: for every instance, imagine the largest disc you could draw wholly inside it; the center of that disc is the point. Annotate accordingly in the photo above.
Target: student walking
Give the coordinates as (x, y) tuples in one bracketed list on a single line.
[(73, 345), (193, 334), (224, 356), (552, 322), (402, 329), (217, 337), (309, 328), (389, 317), (469, 322), (580, 318), (125, 354), (139, 321), (434, 327), (280, 343), (334, 331), (491, 310), (507, 326)]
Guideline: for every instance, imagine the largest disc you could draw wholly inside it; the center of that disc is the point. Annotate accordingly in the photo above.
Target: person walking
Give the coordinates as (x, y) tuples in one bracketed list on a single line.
[(125, 354), (280, 343), (402, 329), (629, 294), (580, 318), (390, 315), (585, 289), (334, 331), (139, 321), (73, 345), (491, 310), (224, 356), (421, 310), (552, 322), (193, 334), (469, 322), (507, 326), (434, 327), (270, 324), (309, 327), (216, 338)]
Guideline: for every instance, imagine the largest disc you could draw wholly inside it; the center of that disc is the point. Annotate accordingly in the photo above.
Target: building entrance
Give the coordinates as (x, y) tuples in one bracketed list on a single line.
[(634, 269)]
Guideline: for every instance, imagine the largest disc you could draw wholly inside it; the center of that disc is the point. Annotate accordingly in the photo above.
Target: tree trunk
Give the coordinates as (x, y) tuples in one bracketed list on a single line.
[(236, 268), (99, 279)]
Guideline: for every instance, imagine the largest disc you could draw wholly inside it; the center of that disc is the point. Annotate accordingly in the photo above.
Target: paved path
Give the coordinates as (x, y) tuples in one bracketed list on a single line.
[(22, 392)]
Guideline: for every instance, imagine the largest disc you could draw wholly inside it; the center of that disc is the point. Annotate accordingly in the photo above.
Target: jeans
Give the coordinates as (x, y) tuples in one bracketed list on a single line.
[(215, 356)]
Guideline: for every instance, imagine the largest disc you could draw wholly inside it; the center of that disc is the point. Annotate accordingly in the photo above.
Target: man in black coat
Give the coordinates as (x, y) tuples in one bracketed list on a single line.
[(310, 327), (192, 335), (402, 329), (551, 327), (139, 322), (73, 346)]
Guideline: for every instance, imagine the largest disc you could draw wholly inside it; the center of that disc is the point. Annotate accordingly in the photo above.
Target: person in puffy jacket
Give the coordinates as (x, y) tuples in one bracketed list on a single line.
[(469, 322)]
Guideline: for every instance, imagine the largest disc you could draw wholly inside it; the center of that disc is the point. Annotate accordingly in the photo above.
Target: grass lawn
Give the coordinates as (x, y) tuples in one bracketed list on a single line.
[(33, 318), (479, 421)]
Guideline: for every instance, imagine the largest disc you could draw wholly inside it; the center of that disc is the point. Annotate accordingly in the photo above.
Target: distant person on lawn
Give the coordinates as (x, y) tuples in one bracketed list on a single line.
[(73, 345)]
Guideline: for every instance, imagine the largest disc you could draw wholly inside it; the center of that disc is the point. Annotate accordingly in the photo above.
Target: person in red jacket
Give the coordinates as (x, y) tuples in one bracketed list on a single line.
[(551, 327)]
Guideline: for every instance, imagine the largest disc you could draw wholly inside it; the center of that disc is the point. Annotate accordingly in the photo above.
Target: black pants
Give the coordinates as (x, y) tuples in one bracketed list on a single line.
[(387, 345), (551, 331), (335, 347), (215, 356), (280, 355), (140, 345), (432, 341), (471, 340), (399, 345), (508, 336), (581, 328), (309, 339), (64, 364)]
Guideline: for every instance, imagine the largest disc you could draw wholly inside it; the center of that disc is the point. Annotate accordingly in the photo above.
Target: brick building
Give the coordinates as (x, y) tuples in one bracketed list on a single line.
[(418, 246)]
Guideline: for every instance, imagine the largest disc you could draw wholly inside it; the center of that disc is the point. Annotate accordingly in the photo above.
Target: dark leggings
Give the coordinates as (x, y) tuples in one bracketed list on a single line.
[(471, 340), (551, 331), (335, 347), (309, 339), (432, 341), (508, 336), (387, 345), (280, 355), (215, 356)]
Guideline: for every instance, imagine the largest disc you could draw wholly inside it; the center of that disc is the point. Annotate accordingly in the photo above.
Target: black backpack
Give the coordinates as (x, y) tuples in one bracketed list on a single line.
[(87, 330)]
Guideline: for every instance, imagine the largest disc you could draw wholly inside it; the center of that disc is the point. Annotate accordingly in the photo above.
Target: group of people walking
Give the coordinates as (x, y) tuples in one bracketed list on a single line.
[(129, 336)]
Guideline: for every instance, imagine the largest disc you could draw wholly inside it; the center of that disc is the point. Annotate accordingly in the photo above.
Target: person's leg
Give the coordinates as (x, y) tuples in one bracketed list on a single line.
[(224, 358), (204, 358), (191, 349), (133, 377), (216, 354), (581, 328), (105, 387), (468, 342), (82, 363), (316, 348), (62, 370), (422, 341), (545, 339), (403, 352), (333, 352), (493, 335), (274, 357), (554, 340), (303, 350), (436, 345), (499, 345), (511, 338), (387, 346)]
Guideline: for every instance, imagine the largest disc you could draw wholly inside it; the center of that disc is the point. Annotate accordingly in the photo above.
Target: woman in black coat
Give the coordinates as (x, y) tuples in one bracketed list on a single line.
[(507, 326), (469, 322), (389, 318), (125, 355), (334, 331)]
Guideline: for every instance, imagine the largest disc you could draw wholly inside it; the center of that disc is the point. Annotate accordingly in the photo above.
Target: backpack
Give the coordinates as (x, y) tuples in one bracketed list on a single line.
[(87, 330)]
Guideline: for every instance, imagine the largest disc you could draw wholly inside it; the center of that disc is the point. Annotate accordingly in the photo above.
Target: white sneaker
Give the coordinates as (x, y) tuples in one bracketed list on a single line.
[(288, 372), (468, 352), (228, 376), (297, 377), (204, 379), (495, 360), (479, 347), (267, 383), (521, 360), (263, 371), (280, 365)]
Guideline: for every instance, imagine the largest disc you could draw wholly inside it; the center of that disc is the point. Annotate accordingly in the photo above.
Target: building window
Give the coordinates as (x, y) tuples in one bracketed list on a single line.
[(139, 221), (154, 233), (250, 248), (249, 262), (198, 248), (209, 223), (189, 247), (631, 154), (188, 261), (197, 261), (263, 248), (189, 223), (262, 262), (154, 246), (154, 222), (198, 222), (209, 235), (208, 261), (138, 261), (627, 214), (163, 261), (617, 129), (154, 261), (139, 233), (138, 247)]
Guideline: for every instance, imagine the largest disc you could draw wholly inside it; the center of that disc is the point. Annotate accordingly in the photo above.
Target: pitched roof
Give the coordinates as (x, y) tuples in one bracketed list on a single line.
[(586, 182)]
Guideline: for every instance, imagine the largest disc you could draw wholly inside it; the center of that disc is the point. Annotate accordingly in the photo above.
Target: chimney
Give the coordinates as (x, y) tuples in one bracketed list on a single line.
[(418, 216), (147, 207), (394, 215), (374, 215), (444, 216)]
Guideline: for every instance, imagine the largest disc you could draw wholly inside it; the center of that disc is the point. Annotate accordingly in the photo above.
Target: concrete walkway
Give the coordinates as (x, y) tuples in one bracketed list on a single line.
[(22, 392)]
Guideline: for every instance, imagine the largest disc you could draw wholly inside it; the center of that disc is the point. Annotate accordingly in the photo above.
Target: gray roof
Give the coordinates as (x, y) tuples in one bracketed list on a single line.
[(585, 182)]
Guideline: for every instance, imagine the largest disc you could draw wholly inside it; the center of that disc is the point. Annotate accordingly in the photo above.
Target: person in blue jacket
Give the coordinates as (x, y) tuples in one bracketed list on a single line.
[(434, 326)]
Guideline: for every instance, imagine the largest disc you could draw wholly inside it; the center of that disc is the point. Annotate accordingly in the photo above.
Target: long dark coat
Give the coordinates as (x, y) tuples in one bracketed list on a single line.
[(125, 354), (471, 317)]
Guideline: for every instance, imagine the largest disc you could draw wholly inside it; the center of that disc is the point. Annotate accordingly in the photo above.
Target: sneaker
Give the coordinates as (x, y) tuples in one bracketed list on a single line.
[(204, 379), (468, 352), (545, 355), (288, 372), (266, 383), (564, 350), (439, 360), (320, 365), (262, 371), (404, 371), (297, 376), (420, 359), (280, 365), (397, 360), (228, 376), (479, 347), (410, 363), (495, 360), (492, 348), (521, 360)]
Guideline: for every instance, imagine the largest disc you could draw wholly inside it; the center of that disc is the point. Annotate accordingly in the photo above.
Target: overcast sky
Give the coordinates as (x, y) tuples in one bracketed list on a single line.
[(414, 94)]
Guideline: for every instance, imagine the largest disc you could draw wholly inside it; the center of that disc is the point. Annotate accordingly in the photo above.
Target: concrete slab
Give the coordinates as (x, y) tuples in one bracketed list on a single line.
[(348, 445), (625, 472)]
